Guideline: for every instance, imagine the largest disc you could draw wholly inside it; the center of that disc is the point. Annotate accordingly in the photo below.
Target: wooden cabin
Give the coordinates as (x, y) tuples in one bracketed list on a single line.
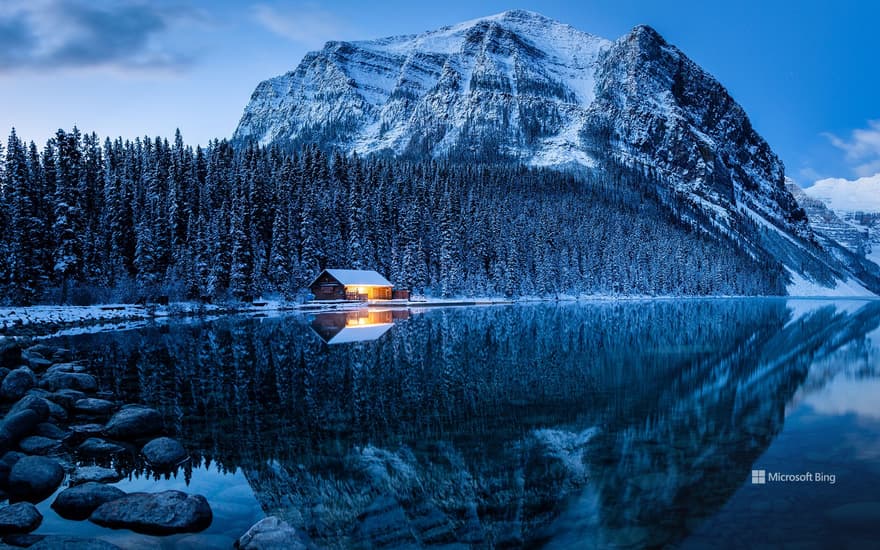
[(350, 284)]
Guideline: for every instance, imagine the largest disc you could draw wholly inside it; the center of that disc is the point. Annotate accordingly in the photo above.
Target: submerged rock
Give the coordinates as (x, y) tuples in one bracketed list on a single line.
[(98, 474), (95, 446), (79, 502), (164, 453), (134, 421), (33, 478), (162, 513), (21, 517), (17, 383), (270, 532)]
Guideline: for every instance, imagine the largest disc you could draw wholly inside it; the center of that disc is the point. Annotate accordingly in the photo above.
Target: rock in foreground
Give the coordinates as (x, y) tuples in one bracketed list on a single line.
[(21, 517), (34, 478), (270, 532), (79, 502), (162, 513)]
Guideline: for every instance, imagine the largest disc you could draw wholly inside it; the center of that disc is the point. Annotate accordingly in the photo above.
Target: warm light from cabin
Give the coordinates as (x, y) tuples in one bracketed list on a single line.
[(360, 290)]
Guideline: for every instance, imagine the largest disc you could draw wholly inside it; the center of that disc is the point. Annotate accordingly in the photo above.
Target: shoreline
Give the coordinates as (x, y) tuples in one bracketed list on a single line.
[(46, 321)]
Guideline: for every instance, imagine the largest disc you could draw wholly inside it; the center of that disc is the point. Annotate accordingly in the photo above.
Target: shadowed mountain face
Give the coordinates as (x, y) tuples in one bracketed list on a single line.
[(607, 424)]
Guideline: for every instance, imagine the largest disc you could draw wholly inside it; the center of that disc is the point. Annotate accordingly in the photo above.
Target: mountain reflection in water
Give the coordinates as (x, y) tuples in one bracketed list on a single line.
[(574, 425)]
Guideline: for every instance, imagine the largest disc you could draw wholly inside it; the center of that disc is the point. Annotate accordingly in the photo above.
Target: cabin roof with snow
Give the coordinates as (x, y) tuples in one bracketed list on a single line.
[(355, 277)]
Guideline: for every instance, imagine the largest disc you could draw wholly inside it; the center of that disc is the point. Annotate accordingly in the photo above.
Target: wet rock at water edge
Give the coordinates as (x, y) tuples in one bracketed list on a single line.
[(21, 517), (162, 513), (17, 383), (134, 421), (33, 478), (69, 381), (94, 406), (95, 446), (38, 445), (80, 501), (98, 474), (270, 532), (164, 453), (53, 542)]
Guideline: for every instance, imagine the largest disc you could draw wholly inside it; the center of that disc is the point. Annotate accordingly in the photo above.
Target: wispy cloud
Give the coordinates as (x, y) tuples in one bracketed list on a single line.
[(861, 149), (307, 25), (53, 34)]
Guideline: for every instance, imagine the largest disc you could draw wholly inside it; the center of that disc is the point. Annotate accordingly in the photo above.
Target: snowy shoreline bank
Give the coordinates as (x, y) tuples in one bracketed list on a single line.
[(56, 320)]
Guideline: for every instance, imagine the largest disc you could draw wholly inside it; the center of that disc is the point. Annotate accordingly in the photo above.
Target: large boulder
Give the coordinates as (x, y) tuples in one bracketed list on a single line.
[(164, 453), (270, 532), (33, 478), (58, 380), (21, 517), (134, 421), (162, 513), (17, 383), (79, 502)]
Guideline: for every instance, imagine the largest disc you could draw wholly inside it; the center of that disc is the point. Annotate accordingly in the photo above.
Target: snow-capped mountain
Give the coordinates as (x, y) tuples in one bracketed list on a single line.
[(521, 87), (857, 205)]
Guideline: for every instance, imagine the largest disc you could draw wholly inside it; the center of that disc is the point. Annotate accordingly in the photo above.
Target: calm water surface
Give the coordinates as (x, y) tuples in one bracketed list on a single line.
[(581, 425)]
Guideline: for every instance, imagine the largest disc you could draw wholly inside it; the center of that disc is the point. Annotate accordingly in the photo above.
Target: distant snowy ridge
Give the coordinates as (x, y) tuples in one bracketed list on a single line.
[(849, 196)]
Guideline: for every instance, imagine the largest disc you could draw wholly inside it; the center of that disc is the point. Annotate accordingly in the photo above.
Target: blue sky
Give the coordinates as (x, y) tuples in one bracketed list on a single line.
[(808, 73)]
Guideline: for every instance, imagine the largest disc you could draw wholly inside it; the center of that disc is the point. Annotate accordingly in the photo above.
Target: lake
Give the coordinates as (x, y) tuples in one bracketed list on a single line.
[(692, 423)]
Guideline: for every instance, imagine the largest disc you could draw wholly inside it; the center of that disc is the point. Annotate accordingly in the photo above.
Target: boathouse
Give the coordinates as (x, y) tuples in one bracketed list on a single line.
[(350, 284)]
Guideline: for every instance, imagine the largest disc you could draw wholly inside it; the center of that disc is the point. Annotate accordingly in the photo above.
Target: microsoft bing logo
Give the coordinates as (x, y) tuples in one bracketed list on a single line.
[(759, 477)]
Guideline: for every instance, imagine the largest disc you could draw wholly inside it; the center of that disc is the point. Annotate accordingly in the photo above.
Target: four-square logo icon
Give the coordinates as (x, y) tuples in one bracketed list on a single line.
[(759, 477)]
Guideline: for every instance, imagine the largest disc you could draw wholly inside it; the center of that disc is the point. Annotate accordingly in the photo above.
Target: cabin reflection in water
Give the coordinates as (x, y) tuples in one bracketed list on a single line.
[(360, 325)]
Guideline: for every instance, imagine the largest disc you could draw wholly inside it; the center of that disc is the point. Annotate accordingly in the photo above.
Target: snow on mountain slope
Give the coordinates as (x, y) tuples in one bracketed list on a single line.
[(440, 91)]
